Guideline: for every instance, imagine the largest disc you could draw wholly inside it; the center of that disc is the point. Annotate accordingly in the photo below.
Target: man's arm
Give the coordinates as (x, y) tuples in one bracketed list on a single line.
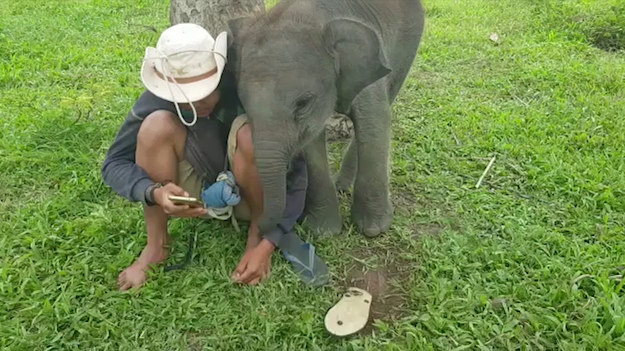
[(255, 263), (119, 170)]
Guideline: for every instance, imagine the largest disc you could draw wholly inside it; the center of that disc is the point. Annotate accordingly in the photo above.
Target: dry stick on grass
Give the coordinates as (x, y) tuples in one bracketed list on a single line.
[(516, 193), (490, 165), (486, 183)]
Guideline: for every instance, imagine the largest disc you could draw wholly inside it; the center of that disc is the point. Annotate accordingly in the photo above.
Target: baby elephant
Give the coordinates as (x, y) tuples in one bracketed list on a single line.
[(298, 64)]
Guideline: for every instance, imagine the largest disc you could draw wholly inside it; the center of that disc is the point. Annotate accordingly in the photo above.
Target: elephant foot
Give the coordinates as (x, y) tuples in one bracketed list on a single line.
[(372, 218), (324, 222)]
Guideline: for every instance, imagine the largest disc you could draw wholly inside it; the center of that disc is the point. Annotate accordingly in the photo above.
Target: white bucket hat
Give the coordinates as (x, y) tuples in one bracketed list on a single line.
[(186, 65)]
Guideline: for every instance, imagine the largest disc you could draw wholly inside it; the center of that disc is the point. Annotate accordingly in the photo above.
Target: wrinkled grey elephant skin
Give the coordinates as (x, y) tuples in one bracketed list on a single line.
[(296, 66)]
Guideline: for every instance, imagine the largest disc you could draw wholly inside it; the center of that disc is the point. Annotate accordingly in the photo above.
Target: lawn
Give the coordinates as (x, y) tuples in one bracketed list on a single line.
[(532, 259)]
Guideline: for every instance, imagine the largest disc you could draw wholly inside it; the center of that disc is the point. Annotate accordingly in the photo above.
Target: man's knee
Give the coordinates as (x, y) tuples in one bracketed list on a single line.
[(245, 144), (161, 128)]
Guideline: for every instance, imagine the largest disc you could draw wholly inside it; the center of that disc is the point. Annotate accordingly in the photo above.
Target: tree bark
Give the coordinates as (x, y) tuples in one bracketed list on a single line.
[(212, 14)]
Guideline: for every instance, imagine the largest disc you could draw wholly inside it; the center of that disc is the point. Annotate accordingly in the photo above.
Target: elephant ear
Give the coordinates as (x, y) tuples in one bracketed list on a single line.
[(358, 58), (236, 28)]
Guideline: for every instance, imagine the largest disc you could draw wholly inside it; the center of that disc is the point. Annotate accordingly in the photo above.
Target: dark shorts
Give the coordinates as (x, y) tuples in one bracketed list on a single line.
[(205, 148)]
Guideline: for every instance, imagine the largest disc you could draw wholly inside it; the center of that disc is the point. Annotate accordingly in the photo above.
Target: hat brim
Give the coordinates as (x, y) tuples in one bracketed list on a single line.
[(194, 91)]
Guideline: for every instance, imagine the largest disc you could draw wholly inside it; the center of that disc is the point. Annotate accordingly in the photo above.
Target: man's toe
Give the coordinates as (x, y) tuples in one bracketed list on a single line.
[(124, 285), (121, 278)]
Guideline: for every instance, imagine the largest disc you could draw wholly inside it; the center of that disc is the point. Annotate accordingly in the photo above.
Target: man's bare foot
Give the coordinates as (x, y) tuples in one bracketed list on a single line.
[(135, 275), (253, 236)]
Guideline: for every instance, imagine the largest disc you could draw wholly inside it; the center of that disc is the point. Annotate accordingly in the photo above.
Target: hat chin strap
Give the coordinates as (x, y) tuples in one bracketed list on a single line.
[(167, 74)]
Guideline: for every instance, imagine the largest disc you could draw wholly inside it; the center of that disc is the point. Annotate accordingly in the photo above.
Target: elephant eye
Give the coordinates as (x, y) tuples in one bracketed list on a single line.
[(303, 103)]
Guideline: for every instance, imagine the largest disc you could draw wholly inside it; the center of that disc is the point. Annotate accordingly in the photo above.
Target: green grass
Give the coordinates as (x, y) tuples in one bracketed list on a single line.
[(531, 260)]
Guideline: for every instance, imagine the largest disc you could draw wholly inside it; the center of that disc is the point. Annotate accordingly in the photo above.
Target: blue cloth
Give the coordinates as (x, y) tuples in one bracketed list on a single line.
[(224, 192)]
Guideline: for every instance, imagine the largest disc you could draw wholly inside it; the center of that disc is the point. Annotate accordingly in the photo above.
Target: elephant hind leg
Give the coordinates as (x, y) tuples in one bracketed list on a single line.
[(349, 168)]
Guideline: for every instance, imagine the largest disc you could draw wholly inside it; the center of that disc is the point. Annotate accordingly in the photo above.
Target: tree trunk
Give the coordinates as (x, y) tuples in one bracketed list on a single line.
[(212, 14)]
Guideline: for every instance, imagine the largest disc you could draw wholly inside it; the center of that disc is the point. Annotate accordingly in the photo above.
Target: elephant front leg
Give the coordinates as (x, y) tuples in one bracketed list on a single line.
[(372, 211), (322, 204), (349, 168)]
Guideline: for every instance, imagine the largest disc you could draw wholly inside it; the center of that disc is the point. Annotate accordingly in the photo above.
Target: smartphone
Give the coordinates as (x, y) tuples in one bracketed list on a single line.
[(182, 200)]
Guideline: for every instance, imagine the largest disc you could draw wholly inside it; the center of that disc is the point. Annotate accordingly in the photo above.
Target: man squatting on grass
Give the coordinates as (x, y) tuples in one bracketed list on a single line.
[(158, 152)]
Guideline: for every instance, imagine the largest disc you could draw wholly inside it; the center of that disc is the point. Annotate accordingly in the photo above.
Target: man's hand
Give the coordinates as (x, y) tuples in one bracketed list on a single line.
[(161, 197), (255, 265)]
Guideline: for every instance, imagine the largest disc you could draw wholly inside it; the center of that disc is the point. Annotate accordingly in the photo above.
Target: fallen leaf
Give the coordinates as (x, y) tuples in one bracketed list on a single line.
[(494, 37)]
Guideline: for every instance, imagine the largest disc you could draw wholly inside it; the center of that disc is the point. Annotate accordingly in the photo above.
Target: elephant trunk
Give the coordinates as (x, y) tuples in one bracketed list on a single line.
[(271, 162)]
